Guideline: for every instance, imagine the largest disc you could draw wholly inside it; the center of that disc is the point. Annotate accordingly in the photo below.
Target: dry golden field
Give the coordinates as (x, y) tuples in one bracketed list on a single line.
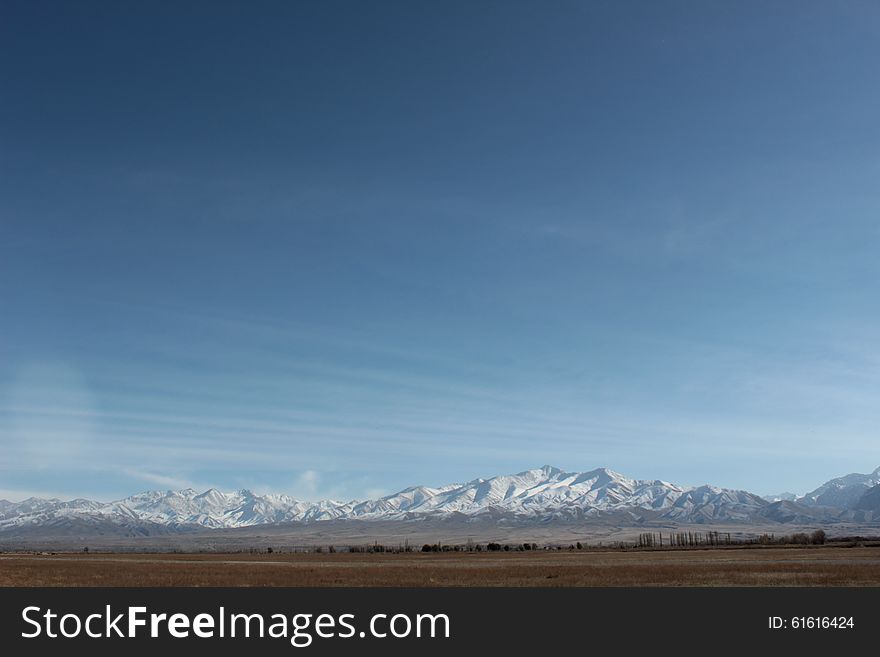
[(774, 566)]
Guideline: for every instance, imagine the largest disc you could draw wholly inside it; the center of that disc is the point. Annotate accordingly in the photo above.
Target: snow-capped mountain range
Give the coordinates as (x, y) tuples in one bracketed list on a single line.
[(541, 494)]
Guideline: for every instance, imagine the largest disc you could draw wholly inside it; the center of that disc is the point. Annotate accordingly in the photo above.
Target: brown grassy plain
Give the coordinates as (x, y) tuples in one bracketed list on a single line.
[(774, 566)]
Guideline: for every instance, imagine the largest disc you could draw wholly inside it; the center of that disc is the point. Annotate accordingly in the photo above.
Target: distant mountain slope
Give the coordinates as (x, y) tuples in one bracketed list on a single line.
[(842, 492), (780, 497), (870, 500)]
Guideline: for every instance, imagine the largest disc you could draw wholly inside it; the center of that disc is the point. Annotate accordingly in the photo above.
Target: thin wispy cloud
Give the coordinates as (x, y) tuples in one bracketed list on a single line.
[(587, 248)]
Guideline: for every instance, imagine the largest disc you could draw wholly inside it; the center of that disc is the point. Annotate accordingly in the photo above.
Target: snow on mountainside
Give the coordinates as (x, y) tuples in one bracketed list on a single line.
[(541, 494), (533, 492), (842, 492), (780, 497), (216, 509)]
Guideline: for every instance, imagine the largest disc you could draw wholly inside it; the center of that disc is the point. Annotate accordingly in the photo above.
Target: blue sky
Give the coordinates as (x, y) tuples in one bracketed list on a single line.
[(339, 248)]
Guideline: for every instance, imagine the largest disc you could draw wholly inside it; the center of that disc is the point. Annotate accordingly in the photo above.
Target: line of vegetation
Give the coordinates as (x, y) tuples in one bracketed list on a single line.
[(673, 540)]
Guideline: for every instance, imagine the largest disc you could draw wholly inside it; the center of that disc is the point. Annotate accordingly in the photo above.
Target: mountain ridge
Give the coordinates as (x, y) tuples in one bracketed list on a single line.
[(539, 494)]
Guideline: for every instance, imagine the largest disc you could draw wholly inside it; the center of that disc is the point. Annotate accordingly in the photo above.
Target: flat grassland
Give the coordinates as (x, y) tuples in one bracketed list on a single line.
[(753, 566)]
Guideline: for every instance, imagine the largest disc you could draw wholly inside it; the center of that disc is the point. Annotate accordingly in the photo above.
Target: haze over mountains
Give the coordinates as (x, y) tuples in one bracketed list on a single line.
[(541, 495)]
